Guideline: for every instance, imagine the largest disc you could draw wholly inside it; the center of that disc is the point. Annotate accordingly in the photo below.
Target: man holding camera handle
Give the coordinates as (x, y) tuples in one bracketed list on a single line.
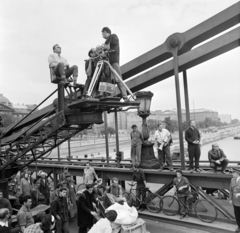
[(112, 43)]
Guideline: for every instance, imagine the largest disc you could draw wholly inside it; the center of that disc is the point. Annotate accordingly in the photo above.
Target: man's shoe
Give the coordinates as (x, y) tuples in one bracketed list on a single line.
[(171, 169), (191, 170), (197, 170), (160, 169), (223, 172)]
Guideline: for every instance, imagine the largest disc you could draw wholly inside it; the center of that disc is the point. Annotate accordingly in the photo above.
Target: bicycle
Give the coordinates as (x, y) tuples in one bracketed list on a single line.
[(152, 200), (205, 210)]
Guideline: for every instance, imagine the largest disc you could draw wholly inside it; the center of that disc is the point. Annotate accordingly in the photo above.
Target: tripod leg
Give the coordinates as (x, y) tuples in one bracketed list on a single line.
[(94, 79), (120, 79)]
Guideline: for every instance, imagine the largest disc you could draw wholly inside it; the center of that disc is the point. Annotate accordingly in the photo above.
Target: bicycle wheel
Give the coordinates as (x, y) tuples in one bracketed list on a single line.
[(169, 205), (205, 211), (152, 202), (128, 197)]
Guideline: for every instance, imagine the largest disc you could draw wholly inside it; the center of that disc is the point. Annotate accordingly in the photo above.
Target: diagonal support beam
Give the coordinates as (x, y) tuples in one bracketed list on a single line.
[(187, 60), (194, 36)]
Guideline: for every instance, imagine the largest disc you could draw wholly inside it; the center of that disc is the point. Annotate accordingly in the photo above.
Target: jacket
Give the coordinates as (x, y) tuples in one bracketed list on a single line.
[(84, 207), (235, 189), (59, 207), (216, 155)]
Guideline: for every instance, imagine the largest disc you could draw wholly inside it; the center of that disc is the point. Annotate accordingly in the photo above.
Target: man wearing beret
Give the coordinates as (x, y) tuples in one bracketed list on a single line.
[(217, 158)]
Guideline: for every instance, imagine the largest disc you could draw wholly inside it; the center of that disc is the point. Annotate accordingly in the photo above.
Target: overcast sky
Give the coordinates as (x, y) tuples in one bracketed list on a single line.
[(29, 29)]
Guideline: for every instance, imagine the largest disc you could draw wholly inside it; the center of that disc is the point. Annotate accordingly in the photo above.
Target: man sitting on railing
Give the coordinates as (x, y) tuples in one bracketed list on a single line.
[(61, 67), (217, 158)]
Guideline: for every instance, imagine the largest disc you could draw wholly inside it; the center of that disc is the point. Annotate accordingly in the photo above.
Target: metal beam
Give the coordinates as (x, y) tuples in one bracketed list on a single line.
[(106, 137), (205, 52), (203, 31), (185, 84), (207, 180)]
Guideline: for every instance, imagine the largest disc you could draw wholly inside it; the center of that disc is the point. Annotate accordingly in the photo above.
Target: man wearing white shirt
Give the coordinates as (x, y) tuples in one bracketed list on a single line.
[(104, 224), (61, 67), (162, 139)]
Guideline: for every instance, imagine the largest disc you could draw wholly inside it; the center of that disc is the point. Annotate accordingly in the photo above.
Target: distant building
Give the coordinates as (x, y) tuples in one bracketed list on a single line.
[(225, 118), (201, 114), (18, 111)]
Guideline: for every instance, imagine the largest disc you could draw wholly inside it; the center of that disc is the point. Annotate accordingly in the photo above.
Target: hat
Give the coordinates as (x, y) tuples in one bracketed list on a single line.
[(215, 145), (134, 126)]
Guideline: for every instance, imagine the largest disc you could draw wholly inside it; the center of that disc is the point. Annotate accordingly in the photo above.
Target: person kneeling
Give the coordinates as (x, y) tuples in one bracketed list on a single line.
[(104, 224)]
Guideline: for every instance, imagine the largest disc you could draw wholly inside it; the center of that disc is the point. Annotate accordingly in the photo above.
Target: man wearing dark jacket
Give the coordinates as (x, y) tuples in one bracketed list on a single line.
[(217, 158), (193, 138), (86, 212), (59, 210), (44, 187)]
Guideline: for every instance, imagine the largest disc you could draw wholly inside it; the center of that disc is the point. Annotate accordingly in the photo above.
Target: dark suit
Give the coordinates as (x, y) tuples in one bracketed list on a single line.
[(85, 206), (235, 189), (45, 190)]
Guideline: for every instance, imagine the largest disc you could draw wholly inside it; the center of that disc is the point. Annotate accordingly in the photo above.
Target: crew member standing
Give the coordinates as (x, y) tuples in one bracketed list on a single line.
[(112, 43), (59, 210), (193, 138), (136, 145), (139, 177), (162, 140)]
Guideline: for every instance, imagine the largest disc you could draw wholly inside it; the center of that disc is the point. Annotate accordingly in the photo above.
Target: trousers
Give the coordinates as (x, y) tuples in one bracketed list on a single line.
[(140, 193), (62, 227), (237, 214), (121, 87), (164, 155), (136, 154), (223, 164), (194, 152), (185, 201), (59, 70)]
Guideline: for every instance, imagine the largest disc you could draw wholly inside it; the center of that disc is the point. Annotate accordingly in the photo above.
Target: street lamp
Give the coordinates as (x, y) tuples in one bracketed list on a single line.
[(145, 99), (148, 159)]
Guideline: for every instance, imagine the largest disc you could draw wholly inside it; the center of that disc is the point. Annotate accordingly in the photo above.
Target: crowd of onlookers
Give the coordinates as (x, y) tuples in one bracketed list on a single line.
[(44, 210)]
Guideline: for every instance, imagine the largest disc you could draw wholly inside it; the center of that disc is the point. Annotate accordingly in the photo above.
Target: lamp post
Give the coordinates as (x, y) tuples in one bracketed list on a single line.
[(148, 159)]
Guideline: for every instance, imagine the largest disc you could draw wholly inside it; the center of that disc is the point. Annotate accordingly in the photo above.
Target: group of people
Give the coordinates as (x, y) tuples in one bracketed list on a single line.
[(163, 141), (62, 70)]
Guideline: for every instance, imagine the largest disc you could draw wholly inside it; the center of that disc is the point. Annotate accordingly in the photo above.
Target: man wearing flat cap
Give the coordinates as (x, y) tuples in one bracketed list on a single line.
[(217, 158), (136, 145)]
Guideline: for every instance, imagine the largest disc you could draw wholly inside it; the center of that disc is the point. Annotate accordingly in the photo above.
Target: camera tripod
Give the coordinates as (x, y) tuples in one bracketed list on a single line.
[(96, 75)]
